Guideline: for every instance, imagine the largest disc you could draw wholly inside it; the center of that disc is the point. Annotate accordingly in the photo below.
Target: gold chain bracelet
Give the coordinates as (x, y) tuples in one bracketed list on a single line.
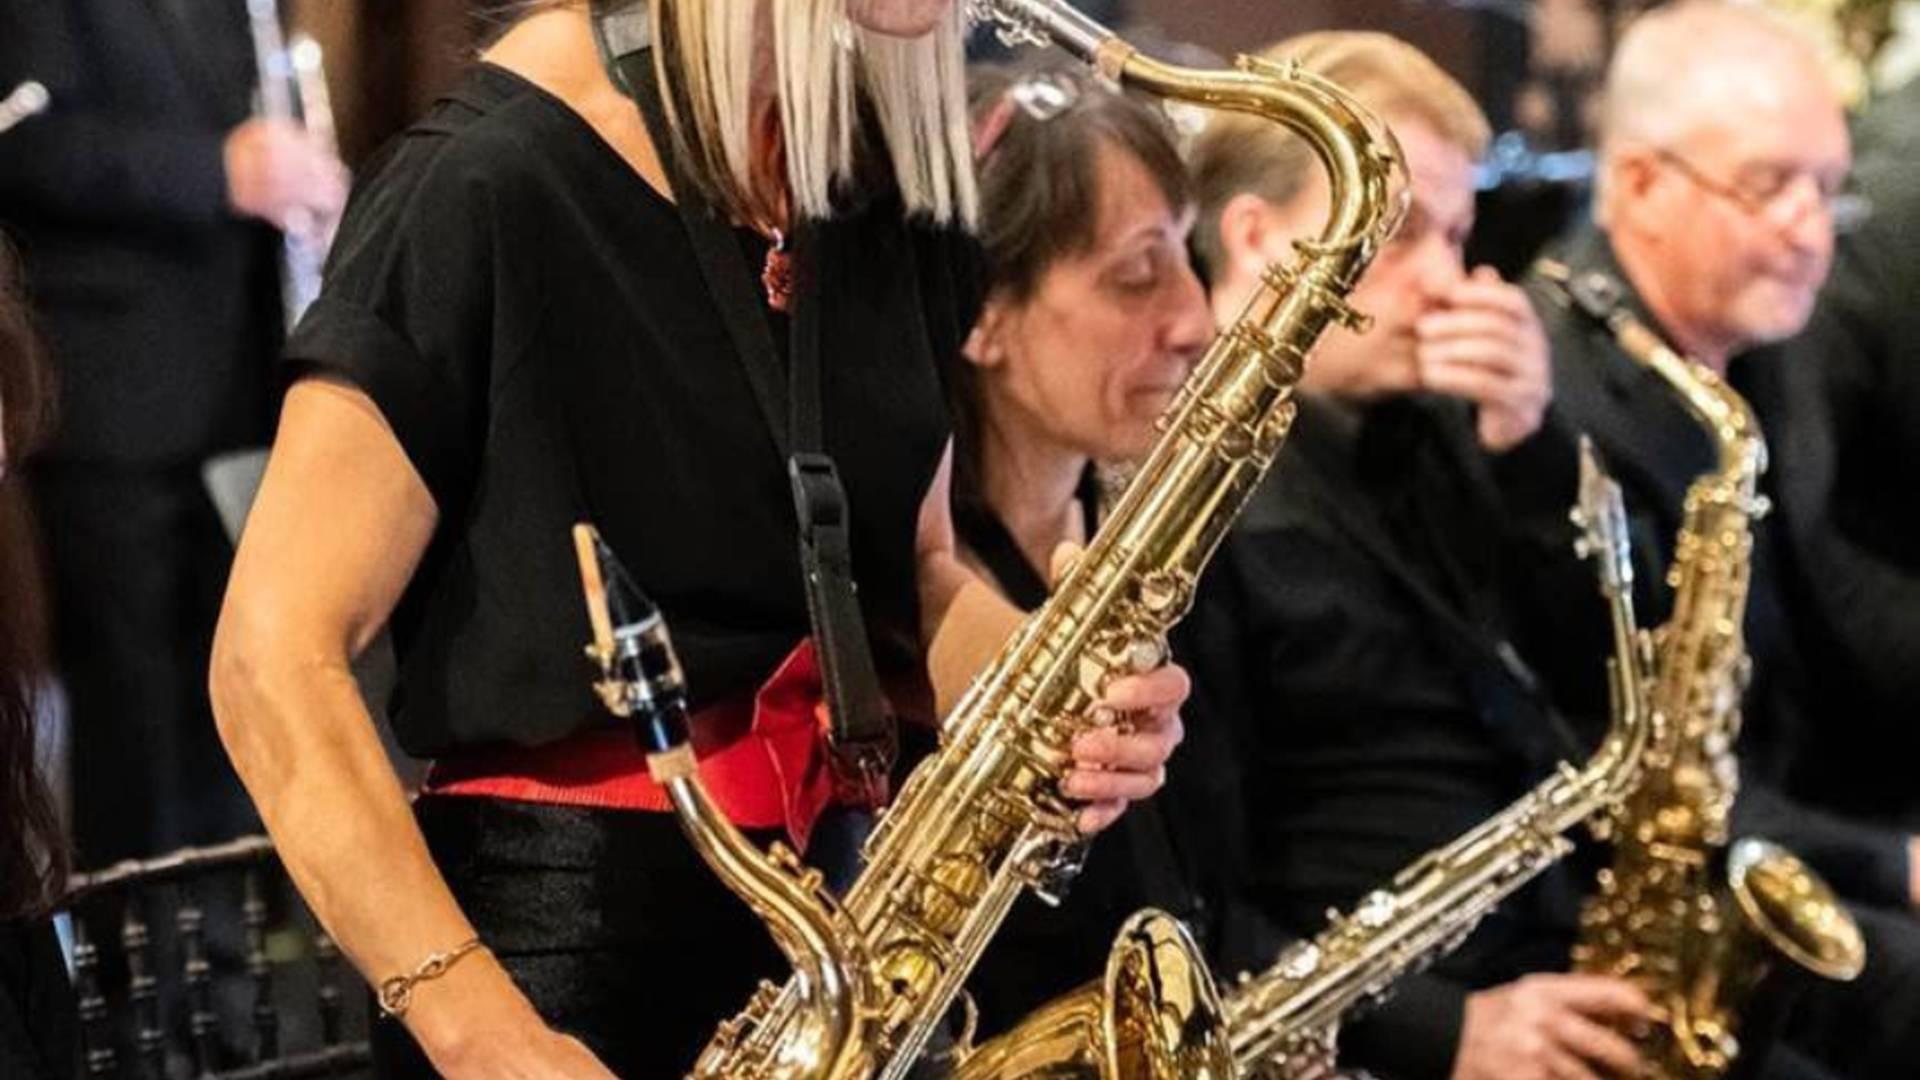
[(396, 993)]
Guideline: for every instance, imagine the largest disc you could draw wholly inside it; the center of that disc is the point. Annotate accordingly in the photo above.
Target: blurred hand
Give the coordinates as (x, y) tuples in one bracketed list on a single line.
[(278, 173), (1485, 344), (1551, 1027), (1124, 757)]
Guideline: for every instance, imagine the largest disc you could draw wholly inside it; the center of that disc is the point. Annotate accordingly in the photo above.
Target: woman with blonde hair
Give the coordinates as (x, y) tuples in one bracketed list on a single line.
[(547, 305)]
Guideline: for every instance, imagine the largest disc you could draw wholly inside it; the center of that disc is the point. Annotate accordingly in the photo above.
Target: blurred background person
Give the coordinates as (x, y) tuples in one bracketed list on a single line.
[(1350, 631), (1715, 215), (38, 1036), (1840, 408), (144, 201)]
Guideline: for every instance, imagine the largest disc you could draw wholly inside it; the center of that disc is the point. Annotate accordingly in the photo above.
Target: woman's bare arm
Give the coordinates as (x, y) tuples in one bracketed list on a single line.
[(338, 529)]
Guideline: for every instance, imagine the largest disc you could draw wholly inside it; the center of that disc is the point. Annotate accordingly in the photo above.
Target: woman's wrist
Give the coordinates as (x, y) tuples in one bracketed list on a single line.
[(464, 1015)]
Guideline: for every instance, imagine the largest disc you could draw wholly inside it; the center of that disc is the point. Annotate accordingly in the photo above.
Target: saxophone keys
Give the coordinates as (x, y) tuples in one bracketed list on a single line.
[(1146, 654)]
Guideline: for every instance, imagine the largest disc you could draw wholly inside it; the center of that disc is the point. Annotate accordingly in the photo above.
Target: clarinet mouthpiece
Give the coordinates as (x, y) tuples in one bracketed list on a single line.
[(640, 678)]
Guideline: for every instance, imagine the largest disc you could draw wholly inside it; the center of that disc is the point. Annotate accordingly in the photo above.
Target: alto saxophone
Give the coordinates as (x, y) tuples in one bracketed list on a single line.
[(1282, 1024), (1694, 920), (982, 818)]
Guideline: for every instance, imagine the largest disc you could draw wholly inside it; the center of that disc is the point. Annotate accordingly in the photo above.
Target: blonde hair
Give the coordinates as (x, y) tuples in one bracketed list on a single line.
[(826, 70), (1238, 153)]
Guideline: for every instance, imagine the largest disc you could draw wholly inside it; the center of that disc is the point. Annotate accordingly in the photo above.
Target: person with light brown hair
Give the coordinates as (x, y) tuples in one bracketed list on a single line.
[(552, 302), (1369, 624), (1721, 187), (1352, 632), (1437, 328)]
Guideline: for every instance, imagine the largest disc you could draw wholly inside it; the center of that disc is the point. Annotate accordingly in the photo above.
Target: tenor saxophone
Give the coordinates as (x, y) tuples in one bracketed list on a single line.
[(1283, 1023), (982, 818), (1692, 917)]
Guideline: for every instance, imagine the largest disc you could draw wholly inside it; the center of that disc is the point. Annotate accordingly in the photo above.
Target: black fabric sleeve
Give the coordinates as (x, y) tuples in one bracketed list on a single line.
[(1414, 1034), (1864, 863), (78, 161), (407, 312), (1833, 379)]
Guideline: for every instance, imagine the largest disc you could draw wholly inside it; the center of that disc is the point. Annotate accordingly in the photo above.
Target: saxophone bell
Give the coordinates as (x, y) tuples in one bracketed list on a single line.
[(1784, 910), (1155, 1015)]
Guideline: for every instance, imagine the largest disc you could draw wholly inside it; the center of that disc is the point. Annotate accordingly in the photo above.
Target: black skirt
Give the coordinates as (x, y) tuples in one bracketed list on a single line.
[(607, 919)]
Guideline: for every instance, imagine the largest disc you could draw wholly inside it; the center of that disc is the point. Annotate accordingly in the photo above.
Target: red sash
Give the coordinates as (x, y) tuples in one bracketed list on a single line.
[(775, 775)]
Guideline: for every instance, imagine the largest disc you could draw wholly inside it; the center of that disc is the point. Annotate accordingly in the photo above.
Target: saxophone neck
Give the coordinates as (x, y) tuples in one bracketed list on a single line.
[(1726, 415), (1365, 168), (1601, 517), (641, 682)]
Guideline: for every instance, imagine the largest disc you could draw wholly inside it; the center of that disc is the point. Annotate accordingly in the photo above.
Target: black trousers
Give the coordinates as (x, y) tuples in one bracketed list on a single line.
[(608, 920), (138, 565)]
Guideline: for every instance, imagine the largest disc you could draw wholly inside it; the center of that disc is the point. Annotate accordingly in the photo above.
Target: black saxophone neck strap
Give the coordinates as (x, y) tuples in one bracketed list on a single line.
[(790, 400)]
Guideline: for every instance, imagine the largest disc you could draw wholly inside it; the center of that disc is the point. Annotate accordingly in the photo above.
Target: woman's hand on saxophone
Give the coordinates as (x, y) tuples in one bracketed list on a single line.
[(1123, 758)]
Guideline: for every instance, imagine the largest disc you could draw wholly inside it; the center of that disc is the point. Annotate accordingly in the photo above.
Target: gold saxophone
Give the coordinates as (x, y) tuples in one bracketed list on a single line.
[(1282, 1024), (1692, 919), (982, 818)]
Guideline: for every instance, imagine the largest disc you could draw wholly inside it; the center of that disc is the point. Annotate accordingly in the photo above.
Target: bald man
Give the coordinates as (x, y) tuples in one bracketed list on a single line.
[(1723, 152)]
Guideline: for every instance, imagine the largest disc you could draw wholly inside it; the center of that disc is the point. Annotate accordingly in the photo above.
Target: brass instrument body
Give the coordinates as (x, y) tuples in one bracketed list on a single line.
[(982, 819), (1694, 922), (1284, 1021), (1156, 1015)]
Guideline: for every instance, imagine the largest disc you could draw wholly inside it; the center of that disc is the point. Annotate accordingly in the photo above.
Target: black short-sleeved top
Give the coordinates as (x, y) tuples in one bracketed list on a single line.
[(528, 315)]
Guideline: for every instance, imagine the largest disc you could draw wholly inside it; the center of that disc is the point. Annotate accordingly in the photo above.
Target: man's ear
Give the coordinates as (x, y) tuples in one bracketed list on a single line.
[(1247, 225), (1631, 177), (984, 347)]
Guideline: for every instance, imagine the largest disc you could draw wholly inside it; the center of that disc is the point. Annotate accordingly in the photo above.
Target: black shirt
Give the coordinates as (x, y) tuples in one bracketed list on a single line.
[(1839, 415), (528, 315)]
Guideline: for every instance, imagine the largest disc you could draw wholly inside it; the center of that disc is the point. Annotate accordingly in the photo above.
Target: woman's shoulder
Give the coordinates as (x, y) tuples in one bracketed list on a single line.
[(484, 141)]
